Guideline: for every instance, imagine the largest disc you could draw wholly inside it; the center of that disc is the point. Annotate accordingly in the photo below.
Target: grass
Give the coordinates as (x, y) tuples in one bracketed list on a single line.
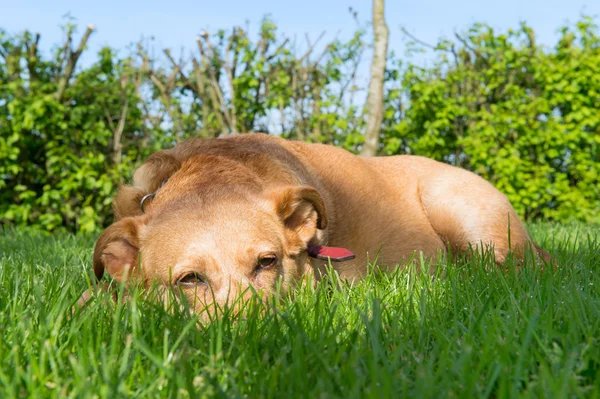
[(466, 331)]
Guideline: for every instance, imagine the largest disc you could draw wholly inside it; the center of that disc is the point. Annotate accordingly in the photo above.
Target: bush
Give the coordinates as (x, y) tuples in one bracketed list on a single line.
[(524, 117)]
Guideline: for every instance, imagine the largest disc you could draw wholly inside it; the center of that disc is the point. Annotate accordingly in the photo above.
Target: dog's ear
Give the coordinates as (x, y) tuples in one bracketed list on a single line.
[(302, 210), (146, 179), (127, 202), (117, 249)]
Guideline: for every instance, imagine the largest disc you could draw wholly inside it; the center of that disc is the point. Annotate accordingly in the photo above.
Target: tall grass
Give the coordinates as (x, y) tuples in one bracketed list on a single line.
[(465, 330)]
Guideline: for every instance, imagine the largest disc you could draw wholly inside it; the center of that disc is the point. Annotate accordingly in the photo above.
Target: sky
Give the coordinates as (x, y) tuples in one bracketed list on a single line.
[(175, 24)]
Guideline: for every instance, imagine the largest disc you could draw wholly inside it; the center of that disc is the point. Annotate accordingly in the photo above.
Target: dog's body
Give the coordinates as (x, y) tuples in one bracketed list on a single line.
[(228, 199)]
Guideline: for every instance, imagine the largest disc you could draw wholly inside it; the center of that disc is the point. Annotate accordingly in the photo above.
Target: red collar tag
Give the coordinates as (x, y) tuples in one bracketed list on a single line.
[(333, 253)]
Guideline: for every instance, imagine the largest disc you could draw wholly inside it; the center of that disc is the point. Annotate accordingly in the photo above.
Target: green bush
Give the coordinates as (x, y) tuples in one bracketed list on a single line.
[(524, 117), (56, 152)]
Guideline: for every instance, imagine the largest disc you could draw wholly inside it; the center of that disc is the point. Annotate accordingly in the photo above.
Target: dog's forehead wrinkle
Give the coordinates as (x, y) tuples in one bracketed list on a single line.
[(225, 244)]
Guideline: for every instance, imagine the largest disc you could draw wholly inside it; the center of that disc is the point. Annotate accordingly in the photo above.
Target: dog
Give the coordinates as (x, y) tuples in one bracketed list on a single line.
[(213, 217)]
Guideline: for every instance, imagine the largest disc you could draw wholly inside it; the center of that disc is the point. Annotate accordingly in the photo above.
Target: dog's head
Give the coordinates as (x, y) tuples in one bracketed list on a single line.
[(213, 249)]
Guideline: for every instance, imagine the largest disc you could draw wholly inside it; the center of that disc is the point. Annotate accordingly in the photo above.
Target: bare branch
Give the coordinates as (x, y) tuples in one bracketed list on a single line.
[(416, 39), (316, 113), (211, 91), (230, 76), (297, 109), (214, 81), (109, 118), (323, 53), (278, 50), (65, 50), (311, 47), (236, 53), (350, 80), (32, 58), (282, 115), (201, 93), (117, 147), (473, 50), (179, 69), (158, 83), (71, 63)]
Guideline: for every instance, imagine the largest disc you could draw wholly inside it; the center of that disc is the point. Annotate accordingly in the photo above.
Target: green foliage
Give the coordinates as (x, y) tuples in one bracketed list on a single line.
[(524, 117), (58, 162), (464, 331)]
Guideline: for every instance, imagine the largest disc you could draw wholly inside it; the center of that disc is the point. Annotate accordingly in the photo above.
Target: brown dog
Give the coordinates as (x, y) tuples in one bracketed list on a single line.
[(248, 210)]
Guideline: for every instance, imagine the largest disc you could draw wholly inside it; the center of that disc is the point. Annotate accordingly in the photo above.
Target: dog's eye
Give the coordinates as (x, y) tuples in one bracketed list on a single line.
[(190, 279), (266, 262)]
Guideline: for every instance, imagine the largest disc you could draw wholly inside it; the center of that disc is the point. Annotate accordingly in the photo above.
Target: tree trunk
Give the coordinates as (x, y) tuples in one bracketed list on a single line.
[(375, 96)]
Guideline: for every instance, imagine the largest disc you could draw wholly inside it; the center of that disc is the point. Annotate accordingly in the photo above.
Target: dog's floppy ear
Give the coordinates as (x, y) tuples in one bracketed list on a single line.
[(117, 249), (301, 208), (127, 202)]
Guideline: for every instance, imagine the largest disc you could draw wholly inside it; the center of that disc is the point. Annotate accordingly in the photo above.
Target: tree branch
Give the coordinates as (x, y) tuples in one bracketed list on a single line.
[(311, 47), (230, 77), (277, 50), (214, 82), (117, 147), (416, 39), (71, 63)]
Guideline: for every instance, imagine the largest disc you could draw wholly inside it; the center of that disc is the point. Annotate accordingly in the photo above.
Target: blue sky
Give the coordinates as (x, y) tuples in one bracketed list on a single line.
[(175, 24)]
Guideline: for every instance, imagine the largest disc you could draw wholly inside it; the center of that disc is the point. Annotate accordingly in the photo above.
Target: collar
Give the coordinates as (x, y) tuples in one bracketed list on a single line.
[(325, 253)]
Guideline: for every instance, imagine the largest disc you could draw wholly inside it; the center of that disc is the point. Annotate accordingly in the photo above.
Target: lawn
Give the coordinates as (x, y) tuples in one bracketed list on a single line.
[(467, 330)]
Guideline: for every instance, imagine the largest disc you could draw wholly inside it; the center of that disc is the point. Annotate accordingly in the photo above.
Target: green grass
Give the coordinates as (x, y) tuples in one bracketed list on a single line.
[(467, 331)]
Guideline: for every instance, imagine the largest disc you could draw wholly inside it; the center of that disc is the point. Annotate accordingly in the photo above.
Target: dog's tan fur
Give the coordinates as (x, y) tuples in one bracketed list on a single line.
[(230, 201)]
